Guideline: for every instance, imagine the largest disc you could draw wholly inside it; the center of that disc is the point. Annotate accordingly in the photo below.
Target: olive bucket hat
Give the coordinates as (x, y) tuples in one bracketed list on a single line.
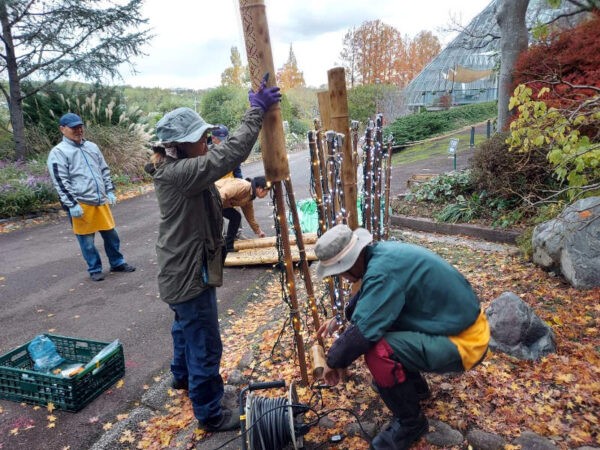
[(181, 125), (338, 249)]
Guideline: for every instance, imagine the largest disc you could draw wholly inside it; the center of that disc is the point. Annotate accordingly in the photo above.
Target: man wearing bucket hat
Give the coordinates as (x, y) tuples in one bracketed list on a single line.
[(82, 179), (414, 313), (190, 248)]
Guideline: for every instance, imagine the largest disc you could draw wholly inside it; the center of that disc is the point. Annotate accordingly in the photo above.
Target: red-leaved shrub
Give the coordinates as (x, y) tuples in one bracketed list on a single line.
[(569, 57)]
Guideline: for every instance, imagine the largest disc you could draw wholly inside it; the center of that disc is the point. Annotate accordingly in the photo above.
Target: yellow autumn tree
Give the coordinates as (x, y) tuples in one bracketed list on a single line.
[(289, 76), (236, 74)]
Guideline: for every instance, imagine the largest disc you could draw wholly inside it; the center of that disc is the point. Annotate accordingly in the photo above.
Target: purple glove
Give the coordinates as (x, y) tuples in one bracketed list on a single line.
[(265, 97)]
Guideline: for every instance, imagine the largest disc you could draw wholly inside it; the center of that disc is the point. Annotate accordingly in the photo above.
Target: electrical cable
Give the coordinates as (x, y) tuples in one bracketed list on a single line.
[(303, 428)]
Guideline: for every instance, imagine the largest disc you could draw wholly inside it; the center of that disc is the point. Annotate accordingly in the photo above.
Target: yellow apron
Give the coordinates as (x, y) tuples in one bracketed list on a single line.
[(95, 218)]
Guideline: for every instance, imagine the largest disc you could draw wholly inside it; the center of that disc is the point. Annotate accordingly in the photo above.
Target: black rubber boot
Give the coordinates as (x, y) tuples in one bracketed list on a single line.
[(420, 384), (409, 423)]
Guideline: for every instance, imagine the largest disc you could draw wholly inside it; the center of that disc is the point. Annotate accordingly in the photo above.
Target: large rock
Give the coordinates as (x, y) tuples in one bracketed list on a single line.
[(517, 330), (571, 243)]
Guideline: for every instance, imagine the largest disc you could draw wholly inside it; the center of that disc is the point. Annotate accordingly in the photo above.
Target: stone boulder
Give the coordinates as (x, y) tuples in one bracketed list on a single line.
[(517, 330), (570, 243)]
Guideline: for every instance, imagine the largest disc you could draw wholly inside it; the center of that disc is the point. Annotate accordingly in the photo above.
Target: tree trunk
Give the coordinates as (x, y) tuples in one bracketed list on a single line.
[(510, 15), (15, 100)]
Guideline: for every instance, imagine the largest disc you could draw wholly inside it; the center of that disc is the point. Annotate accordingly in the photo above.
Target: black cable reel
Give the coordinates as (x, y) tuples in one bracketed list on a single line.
[(271, 423)]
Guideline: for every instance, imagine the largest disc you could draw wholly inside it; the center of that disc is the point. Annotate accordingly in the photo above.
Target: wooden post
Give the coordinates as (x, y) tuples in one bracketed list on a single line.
[(260, 61), (338, 102), (324, 109)]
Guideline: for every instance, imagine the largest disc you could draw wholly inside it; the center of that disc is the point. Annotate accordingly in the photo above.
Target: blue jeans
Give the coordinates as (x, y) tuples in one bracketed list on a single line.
[(91, 255), (197, 351)]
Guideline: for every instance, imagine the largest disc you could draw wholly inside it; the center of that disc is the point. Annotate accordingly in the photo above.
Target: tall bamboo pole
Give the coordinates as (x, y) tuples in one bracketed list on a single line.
[(310, 290), (291, 285), (315, 165), (338, 102), (260, 61), (368, 197), (388, 180), (322, 164)]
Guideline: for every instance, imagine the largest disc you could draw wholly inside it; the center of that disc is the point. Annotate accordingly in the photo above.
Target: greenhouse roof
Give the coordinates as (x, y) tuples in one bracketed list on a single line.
[(465, 71)]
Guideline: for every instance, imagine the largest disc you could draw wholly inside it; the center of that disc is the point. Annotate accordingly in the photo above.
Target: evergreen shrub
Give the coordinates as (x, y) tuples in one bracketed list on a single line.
[(423, 125)]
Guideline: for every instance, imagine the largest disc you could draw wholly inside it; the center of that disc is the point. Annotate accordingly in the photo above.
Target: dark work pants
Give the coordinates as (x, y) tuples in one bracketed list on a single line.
[(235, 218), (197, 351)]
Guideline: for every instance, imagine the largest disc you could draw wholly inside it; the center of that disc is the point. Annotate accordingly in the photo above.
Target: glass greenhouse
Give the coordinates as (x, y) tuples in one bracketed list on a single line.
[(466, 70)]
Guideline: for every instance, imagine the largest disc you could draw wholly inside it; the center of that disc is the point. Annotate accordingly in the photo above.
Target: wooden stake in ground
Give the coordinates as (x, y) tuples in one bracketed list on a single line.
[(324, 109), (338, 102), (260, 61)]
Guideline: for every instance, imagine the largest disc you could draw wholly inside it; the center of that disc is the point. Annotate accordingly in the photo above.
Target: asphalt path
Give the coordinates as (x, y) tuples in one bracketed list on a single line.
[(44, 288)]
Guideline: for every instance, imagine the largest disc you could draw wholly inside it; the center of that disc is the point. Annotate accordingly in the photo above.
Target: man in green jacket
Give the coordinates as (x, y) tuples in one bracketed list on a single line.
[(414, 312), (190, 247)]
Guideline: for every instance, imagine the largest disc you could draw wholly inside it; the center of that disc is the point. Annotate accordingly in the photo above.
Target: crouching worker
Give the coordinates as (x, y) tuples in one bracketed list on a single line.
[(413, 313), (237, 192)]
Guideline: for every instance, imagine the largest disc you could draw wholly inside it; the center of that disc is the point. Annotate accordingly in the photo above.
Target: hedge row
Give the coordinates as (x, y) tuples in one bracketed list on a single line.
[(426, 124)]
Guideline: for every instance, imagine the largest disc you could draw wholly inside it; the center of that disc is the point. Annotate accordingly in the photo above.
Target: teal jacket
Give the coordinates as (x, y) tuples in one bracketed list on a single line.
[(409, 288), (417, 302)]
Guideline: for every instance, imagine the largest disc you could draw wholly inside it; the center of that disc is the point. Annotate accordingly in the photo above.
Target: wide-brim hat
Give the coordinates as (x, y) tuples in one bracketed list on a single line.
[(338, 249), (181, 125)]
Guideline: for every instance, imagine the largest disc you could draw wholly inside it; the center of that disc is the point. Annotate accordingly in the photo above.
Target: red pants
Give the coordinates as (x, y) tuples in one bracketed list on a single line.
[(386, 371)]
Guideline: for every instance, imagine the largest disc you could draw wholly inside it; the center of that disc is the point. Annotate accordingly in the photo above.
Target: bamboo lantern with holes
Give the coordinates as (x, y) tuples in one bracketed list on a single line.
[(260, 62), (338, 104)]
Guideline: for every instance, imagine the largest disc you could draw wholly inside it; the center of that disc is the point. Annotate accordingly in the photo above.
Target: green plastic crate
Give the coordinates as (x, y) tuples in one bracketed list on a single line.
[(20, 383)]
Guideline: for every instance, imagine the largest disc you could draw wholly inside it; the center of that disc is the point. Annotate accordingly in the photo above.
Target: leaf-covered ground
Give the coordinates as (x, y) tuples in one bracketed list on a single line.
[(557, 397)]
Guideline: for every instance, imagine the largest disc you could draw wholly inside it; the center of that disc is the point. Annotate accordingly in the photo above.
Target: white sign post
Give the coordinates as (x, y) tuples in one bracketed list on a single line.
[(452, 150)]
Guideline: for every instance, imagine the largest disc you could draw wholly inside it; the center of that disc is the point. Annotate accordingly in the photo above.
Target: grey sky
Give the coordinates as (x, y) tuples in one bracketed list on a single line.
[(193, 39)]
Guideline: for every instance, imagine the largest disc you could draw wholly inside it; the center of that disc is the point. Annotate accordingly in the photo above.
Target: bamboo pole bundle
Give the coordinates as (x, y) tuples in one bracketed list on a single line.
[(264, 256)]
